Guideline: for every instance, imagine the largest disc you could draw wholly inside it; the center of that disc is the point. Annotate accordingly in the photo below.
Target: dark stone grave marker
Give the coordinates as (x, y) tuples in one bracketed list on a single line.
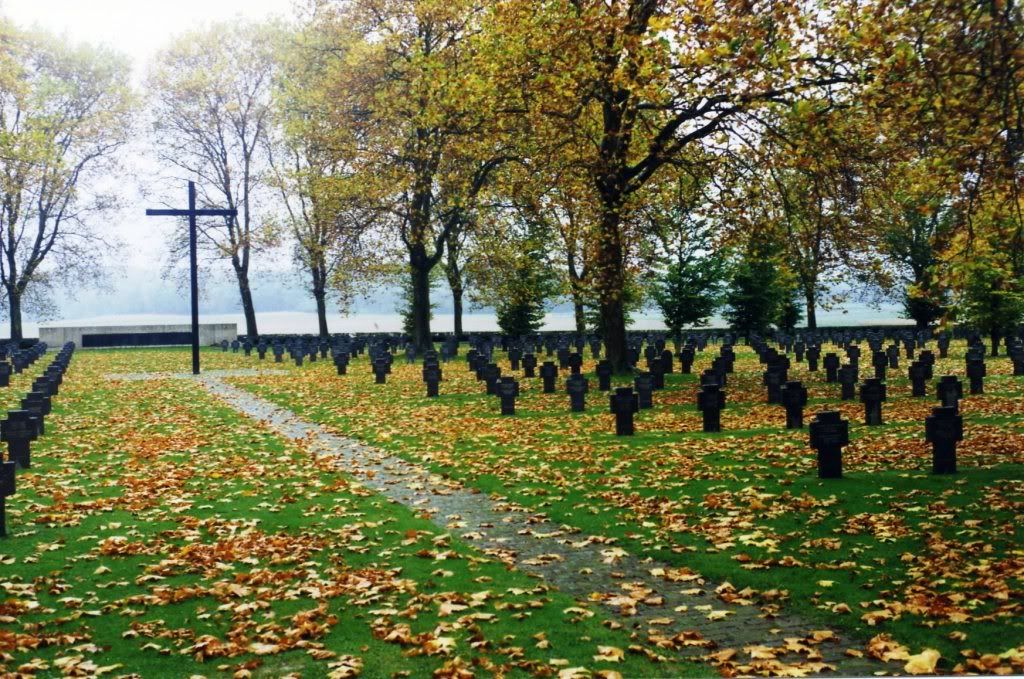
[(943, 429), (829, 433)]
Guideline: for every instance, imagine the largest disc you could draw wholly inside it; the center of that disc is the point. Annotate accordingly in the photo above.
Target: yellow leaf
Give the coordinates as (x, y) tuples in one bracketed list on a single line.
[(922, 663), (609, 654)]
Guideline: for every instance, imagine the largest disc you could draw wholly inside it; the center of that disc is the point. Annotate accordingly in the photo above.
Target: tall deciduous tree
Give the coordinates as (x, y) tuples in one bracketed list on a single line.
[(630, 84), (64, 113), (313, 179), (212, 106), (953, 75), (419, 119)]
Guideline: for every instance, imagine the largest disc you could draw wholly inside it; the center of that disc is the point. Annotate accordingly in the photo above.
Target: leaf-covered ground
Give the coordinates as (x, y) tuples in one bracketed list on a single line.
[(161, 534), (914, 564)]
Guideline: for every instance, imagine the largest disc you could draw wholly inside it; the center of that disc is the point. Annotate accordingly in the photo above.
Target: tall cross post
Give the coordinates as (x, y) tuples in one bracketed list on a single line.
[(192, 213)]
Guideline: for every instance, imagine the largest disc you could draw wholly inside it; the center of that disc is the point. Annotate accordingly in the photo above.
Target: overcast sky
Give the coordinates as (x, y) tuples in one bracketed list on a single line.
[(137, 28)]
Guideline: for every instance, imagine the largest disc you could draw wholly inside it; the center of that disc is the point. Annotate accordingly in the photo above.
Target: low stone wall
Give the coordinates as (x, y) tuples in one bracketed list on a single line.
[(209, 333)]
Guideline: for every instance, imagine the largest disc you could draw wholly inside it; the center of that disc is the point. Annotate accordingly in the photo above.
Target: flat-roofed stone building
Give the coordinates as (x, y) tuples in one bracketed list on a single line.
[(136, 335)]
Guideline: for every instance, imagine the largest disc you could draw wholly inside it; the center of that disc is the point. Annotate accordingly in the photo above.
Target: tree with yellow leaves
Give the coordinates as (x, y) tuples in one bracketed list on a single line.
[(415, 109), (630, 85)]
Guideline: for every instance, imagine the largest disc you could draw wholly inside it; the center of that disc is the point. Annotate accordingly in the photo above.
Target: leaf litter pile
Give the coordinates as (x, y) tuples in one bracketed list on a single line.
[(927, 571), (160, 534)]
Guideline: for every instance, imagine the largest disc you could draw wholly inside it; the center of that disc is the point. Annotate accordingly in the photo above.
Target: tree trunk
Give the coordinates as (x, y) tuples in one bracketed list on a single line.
[(457, 310), (578, 313), (321, 311), (995, 336), (610, 278), (419, 269), (14, 305), (812, 312), (247, 306), (319, 277)]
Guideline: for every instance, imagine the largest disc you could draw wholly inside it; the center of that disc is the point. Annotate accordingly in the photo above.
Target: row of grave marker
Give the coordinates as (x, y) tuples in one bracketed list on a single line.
[(944, 428), (23, 426)]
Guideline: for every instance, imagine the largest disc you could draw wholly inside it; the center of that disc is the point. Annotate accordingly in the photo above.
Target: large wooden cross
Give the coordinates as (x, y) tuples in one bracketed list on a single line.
[(192, 213)]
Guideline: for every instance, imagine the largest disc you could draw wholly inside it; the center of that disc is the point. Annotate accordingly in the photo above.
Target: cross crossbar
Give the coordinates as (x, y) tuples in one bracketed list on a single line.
[(187, 213)]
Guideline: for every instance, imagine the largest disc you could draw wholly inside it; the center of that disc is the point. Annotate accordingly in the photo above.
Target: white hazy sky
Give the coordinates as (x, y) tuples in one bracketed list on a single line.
[(139, 29)]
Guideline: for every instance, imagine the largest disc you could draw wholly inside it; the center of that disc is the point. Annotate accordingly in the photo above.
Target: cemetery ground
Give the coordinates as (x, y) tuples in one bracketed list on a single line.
[(160, 532)]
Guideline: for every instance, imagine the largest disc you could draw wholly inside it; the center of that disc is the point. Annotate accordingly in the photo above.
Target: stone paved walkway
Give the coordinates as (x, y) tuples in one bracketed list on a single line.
[(243, 372), (575, 563)]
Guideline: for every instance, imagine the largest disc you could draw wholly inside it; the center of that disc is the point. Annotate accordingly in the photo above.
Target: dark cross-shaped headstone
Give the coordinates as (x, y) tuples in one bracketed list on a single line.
[(548, 373), (848, 382), (529, 365), (928, 359), (657, 371), (813, 354), (192, 213), (686, 357), (773, 379), (829, 433), (720, 366), (880, 362), (19, 429), (853, 354), (794, 398), (949, 391), (507, 390), (908, 347), (976, 372), (381, 368), (943, 429), (432, 377), (575, 363), (893, 352), (710, 401), (872, 393), (644, 385), (666, 361), (514, 356), (341, 362), (492, 374), (577, 386), (831, 363), (37, 403), (917, 372), (624, 404)]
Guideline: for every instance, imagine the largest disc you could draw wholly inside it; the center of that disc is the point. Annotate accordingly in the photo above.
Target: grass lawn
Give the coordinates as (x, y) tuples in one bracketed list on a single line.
[(160, 534), (888, 551)]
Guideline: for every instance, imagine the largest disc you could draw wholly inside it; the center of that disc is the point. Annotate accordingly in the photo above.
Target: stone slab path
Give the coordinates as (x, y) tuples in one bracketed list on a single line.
[(635, 591)]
